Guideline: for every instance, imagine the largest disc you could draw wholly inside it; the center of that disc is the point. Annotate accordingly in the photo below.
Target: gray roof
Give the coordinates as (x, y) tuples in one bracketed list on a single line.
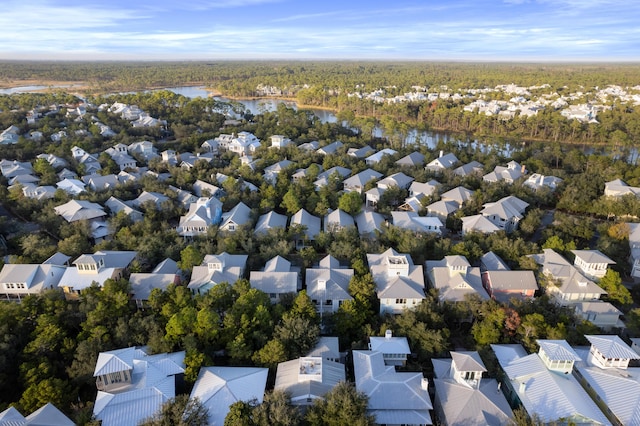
[(512, 280), (270, 220), (612, 346), (143, 284), (304, 218), (478, 223), (593, 256), (327, 347), (369, 222), (469, 168), (394, 397), (308, 377), (239, 215), (338, 219), (48, 415), (413, 159), (459, 194), (336, 283), (79, 210), (492, 262), (277, 278), (362, 178), (397, 179)]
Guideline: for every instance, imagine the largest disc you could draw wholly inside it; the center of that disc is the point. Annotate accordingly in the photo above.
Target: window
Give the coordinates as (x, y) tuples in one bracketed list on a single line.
[(401, 301)]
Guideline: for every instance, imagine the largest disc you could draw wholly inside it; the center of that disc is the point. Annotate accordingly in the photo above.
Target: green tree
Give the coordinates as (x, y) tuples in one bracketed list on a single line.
[(617, 293), (342, 405), (350, 202), (190, 256), (180, 411)]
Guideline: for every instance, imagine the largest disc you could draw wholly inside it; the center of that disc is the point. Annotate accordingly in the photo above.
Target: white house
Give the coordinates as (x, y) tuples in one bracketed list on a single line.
[(328, 285), (592, 263), (454, 278), (400, 283), (505, 213), (443, 162), (216, 269), (308, 379), (202, 214), (277, 278)]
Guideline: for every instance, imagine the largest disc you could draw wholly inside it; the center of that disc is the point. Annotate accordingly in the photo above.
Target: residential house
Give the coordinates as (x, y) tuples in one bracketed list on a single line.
[(210, 145), (360, 153), (10, 169), (311, 226), (309, 146), (146, 197), (469, 169), (442, 209), (76, 210), (618, 188), (543, 384), (55, 161), (188, 160), (478, 223), (132, 385), (313, 170), (337, 220), (121, 157), (454, 278), (279, 141), (202, 214), (328, 285), (38, 192), (67, 174), (222, 142), (332, 148), (394, 350), (20, 280), (359, 181), (205, 189), (116, 206), (338, 173), (504, 285), (399, 180), (47, 415), (89, 162), (218, 388), (269, 221), (185, 198), (428, 188), (399, 283), (443, 162), (459, 195), (634, 249), (567, 284), (308, 379), (509, 174), (244, 144), (143, 149), (277, 278), (410, 220), (492, 262), (10, 135), (99, 183), (413, 204), (327, 348), (23, 180), (604, 370), (601, 314), (592, 263), (394, 398), (463, 397), (145, 120), (216, 269), (373, 196), (162, 276), (368, 223), (270, 174), (505, 213), (415, 159), (538, 181), (170, 157), (377, 157), (236, 217), (95, 268)]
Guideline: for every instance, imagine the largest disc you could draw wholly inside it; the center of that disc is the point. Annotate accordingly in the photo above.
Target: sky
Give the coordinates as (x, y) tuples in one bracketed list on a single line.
[(460, 30)]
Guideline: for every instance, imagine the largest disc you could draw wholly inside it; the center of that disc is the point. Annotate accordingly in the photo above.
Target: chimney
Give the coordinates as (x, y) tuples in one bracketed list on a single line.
[(441, 153), (388, 334), (522, 387), (523, 169), (425, 384)]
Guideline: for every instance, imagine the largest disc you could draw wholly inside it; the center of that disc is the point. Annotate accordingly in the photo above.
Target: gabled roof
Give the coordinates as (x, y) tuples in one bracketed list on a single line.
[(467, 361), (427, 188), (219, 387), (12, 417), (571, 280), (505, 208), (337, 218), (238, 215), (360, 152), (411, 220), (311, 222), (443, 207), (270, 220), (369, 222), (362, 178), (612, 346), (512, 280), (79, 210), (394, 398), (549, 394), (128, 408), (459, 194), (445, 161), (308, 377), (558, 350), (478, 223), (327, 347), (593, 256), (413, 159), (331, 148), (469, 168), (389, 344), (48, 415), (336, 283), (114, 361), (397, 179), (376, 157), (278, 277), (492, 262)]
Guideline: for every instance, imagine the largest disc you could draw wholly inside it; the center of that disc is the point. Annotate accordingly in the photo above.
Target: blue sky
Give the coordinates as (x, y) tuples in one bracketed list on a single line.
[(486, 30)]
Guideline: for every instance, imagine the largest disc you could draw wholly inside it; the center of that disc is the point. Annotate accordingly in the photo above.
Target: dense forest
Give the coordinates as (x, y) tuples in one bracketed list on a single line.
[(49, 346)]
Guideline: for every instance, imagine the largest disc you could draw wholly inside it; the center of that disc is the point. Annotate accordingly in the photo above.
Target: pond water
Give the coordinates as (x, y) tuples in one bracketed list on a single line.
[(31, 89)]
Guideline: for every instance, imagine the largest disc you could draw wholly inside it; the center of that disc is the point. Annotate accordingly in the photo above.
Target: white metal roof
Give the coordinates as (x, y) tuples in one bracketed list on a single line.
[(48, 415), (128, 408)]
